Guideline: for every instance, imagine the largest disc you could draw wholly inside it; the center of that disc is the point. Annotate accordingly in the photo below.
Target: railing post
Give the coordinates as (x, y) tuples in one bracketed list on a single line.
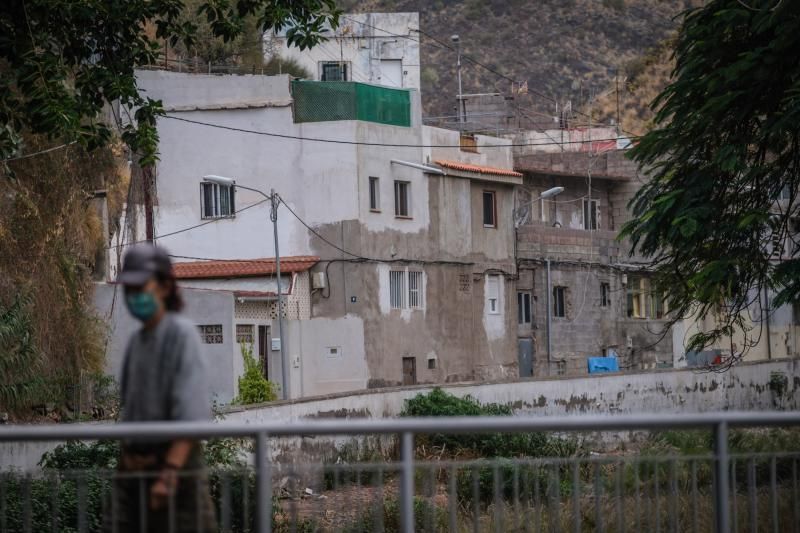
[(407, 482), (722, 487), (263, 486)]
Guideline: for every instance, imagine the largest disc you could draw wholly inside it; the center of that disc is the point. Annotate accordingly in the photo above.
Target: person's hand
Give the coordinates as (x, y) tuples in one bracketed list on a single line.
[(163, 488)]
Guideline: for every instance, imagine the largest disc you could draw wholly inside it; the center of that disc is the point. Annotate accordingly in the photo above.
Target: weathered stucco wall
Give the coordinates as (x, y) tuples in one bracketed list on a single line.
[(745, 387)]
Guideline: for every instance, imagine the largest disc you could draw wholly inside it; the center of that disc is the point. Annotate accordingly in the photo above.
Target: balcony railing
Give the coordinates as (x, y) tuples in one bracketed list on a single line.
[(707, 491)]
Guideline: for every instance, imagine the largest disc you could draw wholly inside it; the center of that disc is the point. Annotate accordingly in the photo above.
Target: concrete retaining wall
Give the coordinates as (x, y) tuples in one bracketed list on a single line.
[(745, 387)]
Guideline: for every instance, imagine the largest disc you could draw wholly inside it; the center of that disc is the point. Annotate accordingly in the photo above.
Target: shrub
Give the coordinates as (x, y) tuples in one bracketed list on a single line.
[(253, 386), (440, 403)]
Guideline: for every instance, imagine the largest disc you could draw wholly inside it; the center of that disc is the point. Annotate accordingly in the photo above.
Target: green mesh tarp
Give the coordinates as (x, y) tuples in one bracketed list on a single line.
[(322, 101)]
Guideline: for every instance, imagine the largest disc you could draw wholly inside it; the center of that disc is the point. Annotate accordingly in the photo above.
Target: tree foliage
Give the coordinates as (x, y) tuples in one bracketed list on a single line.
[(62, 61), (724, 166)]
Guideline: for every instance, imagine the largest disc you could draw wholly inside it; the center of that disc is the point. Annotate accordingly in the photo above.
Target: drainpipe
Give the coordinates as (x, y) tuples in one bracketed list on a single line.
[(549, 310)]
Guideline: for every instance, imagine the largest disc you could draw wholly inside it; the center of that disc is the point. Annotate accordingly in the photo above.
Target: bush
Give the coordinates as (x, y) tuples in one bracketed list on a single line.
[(440, 403), (253, 386)]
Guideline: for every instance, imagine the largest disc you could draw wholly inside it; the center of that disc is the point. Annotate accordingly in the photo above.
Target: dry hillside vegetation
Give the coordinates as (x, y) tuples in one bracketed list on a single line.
[(566, 50)]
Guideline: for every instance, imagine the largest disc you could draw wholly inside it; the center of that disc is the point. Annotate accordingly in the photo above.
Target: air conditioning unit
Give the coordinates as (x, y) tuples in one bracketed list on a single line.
[(318, 280)]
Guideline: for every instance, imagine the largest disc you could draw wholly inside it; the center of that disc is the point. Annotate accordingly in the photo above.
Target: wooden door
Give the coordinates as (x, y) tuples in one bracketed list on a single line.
[(409, 371)]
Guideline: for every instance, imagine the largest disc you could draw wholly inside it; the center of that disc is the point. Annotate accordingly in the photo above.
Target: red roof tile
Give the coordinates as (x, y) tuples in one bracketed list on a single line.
[(467, 167), (242, 268)]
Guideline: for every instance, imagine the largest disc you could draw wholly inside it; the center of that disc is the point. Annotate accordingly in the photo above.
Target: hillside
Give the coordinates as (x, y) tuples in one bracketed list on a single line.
[(566, 51)]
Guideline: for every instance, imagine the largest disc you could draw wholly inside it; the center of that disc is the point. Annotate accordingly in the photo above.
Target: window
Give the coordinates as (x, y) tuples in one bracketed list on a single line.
[(244, 333), (397, 289), (590, 214), (211, 334), (559, 307), (374, 195), (217, 200), (523, 308), (401, 199), (489, 209), (605, 295), (786, 193), (468, 143), (644, 300), (398, 297), (543, 209), (333, 71), (636, 297), (415, 290), (431, 364), (493, 294)]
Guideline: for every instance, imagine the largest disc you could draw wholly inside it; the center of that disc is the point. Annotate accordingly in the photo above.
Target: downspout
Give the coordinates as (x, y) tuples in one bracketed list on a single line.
[(548, 304)]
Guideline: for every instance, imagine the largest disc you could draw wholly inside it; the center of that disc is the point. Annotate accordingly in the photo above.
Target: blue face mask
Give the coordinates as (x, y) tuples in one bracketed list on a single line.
[(142, 305)]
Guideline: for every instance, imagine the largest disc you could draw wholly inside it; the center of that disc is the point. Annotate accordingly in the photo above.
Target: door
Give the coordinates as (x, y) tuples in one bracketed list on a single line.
[(525, 347), (263, 349), (391, 73), (409, 371)]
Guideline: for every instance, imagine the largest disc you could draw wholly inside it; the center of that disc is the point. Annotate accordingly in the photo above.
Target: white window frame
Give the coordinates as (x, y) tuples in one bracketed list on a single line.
[(217, 207), (416, 289), (590, 207), (493, 195), (397, 289), (405, 186), (542, 210), (374, 194), (524, 314), (493, 294), (406, 289)]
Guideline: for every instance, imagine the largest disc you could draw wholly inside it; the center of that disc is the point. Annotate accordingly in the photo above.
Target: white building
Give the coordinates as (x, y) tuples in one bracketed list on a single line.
[(397, 238), (376, 48)]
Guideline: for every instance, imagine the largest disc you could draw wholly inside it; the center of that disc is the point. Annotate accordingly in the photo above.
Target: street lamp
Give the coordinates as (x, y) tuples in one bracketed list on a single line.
[(549, 193), (457, 41), (275, 201)]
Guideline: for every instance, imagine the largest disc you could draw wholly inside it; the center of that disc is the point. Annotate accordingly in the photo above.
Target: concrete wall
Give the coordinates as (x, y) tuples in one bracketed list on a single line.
[(362, 41), (745, 387), (203, 307)]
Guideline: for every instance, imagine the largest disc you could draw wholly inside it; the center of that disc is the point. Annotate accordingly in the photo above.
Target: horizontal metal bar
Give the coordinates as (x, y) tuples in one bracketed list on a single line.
[(454, 425)]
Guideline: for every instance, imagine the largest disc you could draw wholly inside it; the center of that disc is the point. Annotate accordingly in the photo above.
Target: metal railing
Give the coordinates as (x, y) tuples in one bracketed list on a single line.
[(716, 491)]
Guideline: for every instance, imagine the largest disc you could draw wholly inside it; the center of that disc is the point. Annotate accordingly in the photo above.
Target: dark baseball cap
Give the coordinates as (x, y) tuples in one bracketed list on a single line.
[(142, 262)]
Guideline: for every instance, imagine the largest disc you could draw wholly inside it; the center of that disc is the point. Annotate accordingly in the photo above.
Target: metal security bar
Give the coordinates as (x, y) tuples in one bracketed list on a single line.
[(716, 491)]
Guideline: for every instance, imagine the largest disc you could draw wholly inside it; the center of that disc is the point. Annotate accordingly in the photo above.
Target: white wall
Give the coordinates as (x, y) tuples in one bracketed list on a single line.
[(745, 387), (362, 41), (201, 307)]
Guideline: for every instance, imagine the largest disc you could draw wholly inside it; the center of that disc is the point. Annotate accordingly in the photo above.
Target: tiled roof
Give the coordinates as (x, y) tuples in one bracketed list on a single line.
[(466, 167), (242, 268)]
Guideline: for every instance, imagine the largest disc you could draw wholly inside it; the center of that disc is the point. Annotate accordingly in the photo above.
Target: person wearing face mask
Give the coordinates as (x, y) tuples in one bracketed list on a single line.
[(163, 485)]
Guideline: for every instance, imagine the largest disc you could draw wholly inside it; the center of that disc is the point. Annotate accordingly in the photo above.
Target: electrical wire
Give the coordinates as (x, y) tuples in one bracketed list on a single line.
[(40, 152), (362, 143), (189, 228)]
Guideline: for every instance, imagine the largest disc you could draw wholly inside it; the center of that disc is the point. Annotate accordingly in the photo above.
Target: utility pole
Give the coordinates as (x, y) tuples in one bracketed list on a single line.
[(616, 84), (459, 98), (273, 215)]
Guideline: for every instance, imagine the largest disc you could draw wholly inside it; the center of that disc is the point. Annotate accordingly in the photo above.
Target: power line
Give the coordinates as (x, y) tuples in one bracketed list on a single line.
[(45, 151), (189, 228), (362, 143)]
